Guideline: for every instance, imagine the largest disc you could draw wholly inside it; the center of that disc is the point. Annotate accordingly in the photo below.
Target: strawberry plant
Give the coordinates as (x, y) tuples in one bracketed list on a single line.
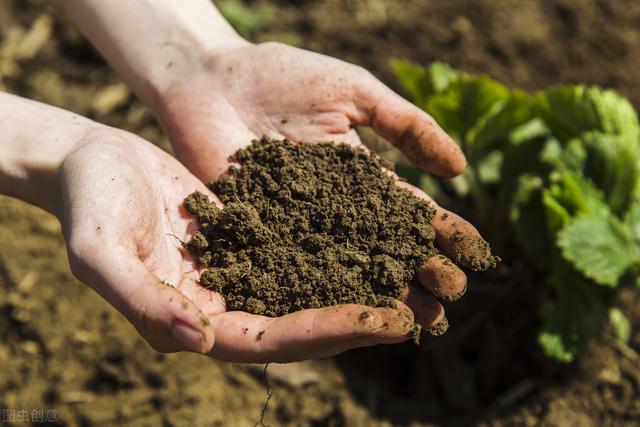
[(560, 168)]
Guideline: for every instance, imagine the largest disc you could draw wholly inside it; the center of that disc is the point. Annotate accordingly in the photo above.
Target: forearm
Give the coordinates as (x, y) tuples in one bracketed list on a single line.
[(154, 44), (35, 139)]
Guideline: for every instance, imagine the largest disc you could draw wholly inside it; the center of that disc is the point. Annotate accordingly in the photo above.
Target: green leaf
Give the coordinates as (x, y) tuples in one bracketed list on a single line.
[(575, 194), (460, 184), (632, 219), (557, 215), (608, 162), (420, 82), (570, 111), (247, 21), (502, 120), (463, 103), (533, 129), (600, 247), (528, 217), (441, 75), (620, 324), (489, 167), (554, 347), (571, 155), (521, 158), (573, 318), (612, 164)]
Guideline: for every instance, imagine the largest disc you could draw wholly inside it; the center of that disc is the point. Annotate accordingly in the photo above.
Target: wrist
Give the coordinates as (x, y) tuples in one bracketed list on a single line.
[(35, 140), (154, 45), (188, 74)]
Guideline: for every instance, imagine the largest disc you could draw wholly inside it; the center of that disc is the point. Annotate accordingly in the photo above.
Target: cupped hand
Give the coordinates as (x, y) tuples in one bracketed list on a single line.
[(124, 222), (274, 90)]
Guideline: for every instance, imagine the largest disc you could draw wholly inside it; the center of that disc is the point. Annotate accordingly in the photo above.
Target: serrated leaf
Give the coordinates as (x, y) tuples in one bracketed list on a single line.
[(620, 324), (573, 318), (570, 111), (611, 162), (465, 101), (421, 83), (575, 194), (570, 195), (600, 130), (600, 247), (501, 121)]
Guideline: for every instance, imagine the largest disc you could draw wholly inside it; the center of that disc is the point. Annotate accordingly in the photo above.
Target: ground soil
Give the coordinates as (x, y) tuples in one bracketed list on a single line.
[(63, 348)]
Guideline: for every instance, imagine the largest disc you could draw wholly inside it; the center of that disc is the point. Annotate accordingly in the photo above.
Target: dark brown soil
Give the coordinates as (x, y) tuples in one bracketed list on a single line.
[(309, 226)]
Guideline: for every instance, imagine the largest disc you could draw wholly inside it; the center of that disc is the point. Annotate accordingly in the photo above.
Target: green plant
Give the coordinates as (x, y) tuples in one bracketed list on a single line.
[(254, 22), (247, 21), (562, 168)]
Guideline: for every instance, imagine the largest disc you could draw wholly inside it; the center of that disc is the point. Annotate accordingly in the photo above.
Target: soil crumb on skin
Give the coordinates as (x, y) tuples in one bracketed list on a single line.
[(308, 226), (473, 252), (439, 328), (414, 333)]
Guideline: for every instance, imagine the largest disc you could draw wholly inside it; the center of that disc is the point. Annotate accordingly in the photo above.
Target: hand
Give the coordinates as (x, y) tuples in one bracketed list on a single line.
[(123, 220), (283, 92), (214, 92), (247, 91)]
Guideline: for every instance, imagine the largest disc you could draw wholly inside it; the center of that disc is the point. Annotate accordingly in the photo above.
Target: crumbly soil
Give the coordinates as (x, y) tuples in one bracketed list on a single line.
[(64, 348), (309, 226)]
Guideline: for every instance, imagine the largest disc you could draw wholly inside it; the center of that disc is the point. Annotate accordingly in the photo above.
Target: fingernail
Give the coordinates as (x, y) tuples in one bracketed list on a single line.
[(190, 337)]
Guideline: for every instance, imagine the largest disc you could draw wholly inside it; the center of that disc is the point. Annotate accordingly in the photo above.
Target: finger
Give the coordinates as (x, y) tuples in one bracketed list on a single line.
[(167, 319), (409, 128), (314, 333), (428, 312), (458, 238), (462, 241), (442, 278)]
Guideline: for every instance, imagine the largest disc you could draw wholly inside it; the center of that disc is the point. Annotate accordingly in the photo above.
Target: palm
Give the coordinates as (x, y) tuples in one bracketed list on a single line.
[(124, 221), (159, 242)]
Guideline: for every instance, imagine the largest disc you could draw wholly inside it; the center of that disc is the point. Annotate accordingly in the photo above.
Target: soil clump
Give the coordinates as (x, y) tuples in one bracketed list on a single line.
[(308, 226)]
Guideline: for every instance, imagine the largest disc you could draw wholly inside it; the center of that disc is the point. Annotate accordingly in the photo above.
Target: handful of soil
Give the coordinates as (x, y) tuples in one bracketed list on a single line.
[(308, 226)]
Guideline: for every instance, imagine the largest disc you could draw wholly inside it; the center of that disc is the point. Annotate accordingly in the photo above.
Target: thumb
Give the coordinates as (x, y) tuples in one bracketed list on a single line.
[(409, 128), (166, 318)]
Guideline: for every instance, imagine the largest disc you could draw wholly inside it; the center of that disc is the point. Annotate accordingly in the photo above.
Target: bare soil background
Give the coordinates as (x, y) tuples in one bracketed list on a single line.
[(63, 348)]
